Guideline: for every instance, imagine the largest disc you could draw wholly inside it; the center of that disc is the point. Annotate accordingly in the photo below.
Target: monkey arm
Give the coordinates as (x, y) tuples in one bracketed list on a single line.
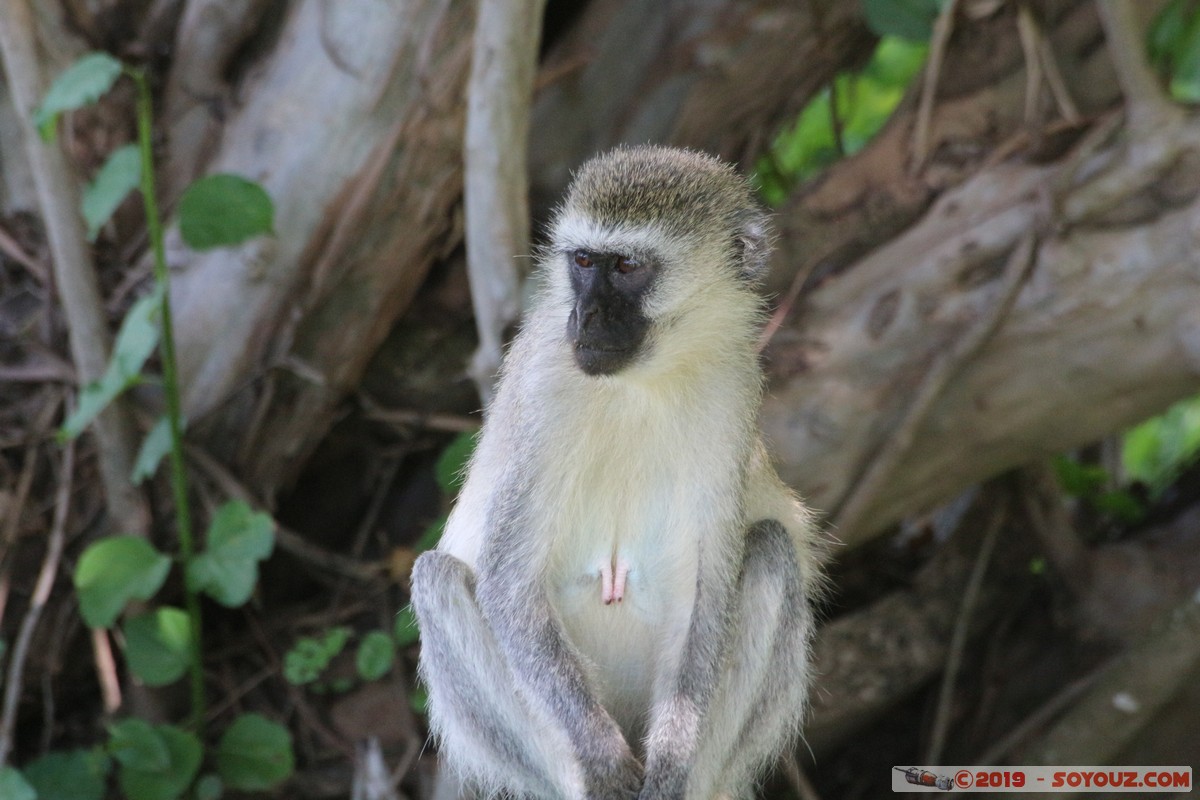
[(546, 669), (746, 701)]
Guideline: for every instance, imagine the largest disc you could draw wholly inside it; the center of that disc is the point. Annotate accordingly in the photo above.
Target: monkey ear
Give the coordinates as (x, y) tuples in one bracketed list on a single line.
[(753, 246)]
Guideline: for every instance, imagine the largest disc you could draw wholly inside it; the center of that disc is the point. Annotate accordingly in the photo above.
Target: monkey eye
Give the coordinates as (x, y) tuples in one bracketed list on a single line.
[(626, 265), (583, 259)]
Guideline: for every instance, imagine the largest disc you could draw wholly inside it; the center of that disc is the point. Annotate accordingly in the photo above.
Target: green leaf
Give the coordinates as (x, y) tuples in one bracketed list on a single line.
[(224, 210), (13, 785), (1185, 77), (115, 180), (135, 343), (135, 743), (908, 19), (376, 652), (209, 787), (155, 446), (451, 467), (1168, 30), (418, 701), (238, 539), (309, 657), (83, 83), (405, 628), (158, 645), (255, 754), (158, 762), (114, 571), (68, 775), (1080, 480)]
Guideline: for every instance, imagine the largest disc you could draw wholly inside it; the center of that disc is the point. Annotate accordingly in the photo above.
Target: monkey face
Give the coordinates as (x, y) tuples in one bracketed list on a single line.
[(608, 324)]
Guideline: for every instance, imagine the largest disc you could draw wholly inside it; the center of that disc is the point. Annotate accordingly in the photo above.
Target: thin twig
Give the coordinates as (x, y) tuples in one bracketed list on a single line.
[(106, 670), (434, 421), (942, 29), (880, 469), (1054, 77), (74, 274), (11, 248), (796, 778), (1027, 33), (958, 641), (1048, 710), (41, 594), (288, 540)]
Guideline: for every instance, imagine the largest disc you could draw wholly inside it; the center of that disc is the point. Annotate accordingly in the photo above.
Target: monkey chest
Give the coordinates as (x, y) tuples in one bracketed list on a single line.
[(627, 567)]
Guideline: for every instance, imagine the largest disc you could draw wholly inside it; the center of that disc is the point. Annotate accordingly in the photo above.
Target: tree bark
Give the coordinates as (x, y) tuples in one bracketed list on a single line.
[(355, 129)]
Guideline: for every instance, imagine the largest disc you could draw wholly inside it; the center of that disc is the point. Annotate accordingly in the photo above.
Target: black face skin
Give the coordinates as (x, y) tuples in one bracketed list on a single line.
[(607, 326)]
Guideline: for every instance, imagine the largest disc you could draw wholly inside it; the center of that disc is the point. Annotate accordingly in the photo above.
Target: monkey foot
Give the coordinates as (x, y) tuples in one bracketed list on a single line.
[(612, 582)]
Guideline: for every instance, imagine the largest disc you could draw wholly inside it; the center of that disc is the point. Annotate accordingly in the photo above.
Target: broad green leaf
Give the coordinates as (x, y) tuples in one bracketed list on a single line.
[(115, 180), (156, 445), (209, 787), (114, 571), (68, 775), (1168, 30), (451, 466), (158, 762), (405, 628), (255, 754), (158, 645), (137, 744), (376, 652), (309, 657), (83, 83), (237, 540), (224, 210), (135, 343), (1185, 78), (13, 785), (908, 19)]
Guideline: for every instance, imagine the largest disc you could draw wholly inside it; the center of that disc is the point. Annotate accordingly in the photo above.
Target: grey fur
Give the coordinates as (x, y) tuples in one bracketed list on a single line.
[(691, 676)]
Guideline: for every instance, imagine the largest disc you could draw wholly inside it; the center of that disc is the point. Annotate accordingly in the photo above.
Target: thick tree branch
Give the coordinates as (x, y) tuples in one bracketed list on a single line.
[(75, 278), (496, 190)]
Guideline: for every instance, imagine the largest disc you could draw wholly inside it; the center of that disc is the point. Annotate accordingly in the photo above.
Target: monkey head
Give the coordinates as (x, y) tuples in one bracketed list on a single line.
[(646, 238)]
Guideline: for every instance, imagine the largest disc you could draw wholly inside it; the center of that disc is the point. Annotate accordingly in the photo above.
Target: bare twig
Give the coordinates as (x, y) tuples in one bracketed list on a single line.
[(41, 594), (865, 490), (407, 418), (942, 29), (11, 248), (796, 778), (288, 540), (496, 180), (1054, 76), (58, 196), (958, 642), (1040, 65), (1048, 711)]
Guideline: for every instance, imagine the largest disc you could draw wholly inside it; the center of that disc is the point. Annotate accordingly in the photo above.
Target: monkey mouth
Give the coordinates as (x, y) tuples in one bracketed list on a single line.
[(599, 360)]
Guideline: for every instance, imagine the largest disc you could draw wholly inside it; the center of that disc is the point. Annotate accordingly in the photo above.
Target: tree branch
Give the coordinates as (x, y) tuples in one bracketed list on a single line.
[(58, 196), (496, 182)]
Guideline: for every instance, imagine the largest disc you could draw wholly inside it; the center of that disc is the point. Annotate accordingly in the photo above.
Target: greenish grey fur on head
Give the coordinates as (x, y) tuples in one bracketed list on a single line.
[(682, 190)]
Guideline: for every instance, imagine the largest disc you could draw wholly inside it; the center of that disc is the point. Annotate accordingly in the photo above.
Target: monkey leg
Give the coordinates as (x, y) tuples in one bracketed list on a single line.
[(757, 707), (486, 731)]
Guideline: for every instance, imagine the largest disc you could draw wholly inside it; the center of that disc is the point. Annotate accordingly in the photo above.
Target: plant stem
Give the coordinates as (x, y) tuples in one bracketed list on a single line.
[(183, 518)]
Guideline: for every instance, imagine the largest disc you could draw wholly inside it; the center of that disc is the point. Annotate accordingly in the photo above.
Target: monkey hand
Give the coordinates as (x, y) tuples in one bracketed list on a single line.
[(614, 778)]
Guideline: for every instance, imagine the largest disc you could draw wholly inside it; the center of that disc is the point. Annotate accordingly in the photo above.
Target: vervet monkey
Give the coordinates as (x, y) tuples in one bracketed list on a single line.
[(620, 605)]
